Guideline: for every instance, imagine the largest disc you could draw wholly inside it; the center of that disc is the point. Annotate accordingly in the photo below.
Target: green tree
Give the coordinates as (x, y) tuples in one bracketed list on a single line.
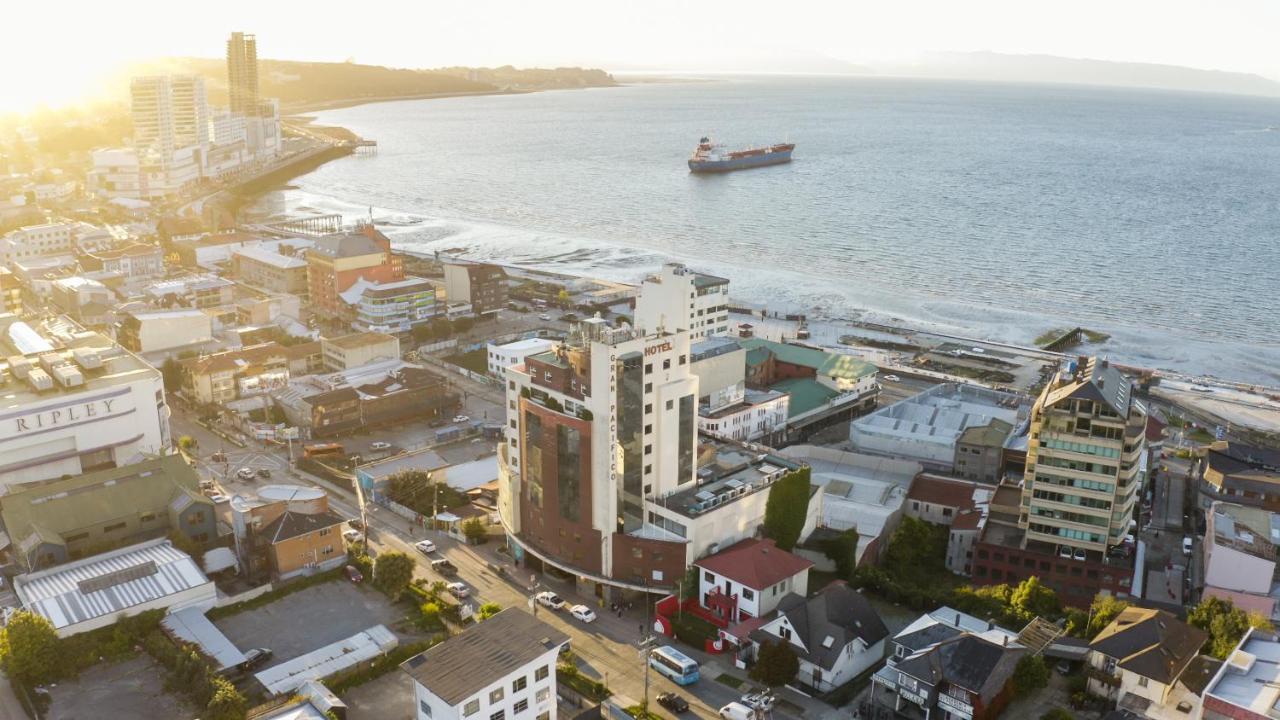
[(1057, 714), (785, 510), (392, 573), (171, 373), (776, 665), (1029, 675), (475, 531), (1031, 599), (226, 703), (187, 444), (29, 648), (463, 324), (913, 545), (1225, 623), (1102, 611), (431, 615), (488, 610), (1077, 622), (843, 551)]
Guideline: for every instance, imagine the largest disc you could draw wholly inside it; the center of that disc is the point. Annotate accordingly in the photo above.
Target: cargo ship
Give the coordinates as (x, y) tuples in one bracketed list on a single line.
[(710, 157)]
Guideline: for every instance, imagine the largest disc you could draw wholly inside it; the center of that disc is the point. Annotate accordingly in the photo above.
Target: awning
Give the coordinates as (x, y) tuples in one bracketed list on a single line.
[(217, 559)]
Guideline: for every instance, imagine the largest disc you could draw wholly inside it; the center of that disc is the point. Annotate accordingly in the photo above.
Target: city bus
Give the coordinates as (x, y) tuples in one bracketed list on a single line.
[(681, 668), (322, 449)]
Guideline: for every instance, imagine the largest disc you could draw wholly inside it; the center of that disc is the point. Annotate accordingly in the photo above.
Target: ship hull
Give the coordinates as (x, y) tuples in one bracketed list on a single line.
[(742, 163)]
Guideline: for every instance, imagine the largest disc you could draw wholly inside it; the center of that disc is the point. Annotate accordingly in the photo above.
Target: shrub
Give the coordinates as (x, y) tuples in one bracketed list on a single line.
[(1030, 675), (392, 573), (786, 508), (776, 665), (29, 648)]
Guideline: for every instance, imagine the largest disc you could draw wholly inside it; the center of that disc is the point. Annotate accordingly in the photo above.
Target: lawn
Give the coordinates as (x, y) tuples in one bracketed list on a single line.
[(476, 361), (730, 680)]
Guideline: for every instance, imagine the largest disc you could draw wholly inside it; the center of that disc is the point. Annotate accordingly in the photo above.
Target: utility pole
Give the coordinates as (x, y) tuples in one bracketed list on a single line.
[(644, 644), (435, 501)]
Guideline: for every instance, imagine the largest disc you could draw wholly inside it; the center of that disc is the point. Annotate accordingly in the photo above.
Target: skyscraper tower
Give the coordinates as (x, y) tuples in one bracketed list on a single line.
[(242, 74)]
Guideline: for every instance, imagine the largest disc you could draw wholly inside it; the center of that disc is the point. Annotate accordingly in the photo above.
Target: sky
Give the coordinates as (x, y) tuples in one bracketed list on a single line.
[(56, 53)]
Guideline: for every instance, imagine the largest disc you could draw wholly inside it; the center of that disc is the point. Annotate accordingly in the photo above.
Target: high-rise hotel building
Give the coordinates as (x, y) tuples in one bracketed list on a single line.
[(242, 74), (599, 428)]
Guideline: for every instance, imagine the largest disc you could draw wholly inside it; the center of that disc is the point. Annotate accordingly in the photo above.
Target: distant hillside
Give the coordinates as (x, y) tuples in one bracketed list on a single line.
[(1053, 69), (313, 84)]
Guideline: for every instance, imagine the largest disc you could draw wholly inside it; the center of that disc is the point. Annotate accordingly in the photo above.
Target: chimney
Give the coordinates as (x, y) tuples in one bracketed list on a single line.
[(1004, 641), (957, 619)]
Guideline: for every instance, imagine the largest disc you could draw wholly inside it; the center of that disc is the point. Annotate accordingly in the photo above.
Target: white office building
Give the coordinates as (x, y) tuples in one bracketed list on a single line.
[(501, 357), (503, 668), (680, 299), (73, 401), (37, 241)]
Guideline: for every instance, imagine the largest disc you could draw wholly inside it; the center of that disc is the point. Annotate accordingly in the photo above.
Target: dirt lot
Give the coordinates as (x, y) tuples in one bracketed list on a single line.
[(125, 690)]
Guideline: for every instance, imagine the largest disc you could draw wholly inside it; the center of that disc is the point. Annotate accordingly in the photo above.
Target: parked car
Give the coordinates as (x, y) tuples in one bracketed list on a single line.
[(549, 599), (458, 590), (583, 613), (245, 473), (737, 711), (461, 418), (444, 567), (673, 702), (544, 316), (425, 546), (353, 574), (1187, 544), (264, 473), (893, 378), (356, 523), (380, 445), (1080, 554), (351, 535), (255, 658)]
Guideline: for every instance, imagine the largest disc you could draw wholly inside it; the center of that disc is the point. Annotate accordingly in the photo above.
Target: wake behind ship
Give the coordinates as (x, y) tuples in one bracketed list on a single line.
[(712, 157)]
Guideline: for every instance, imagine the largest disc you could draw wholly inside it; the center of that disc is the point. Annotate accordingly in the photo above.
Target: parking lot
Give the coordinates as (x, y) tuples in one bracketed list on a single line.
[(125, 690), (389, 697), (309, 619)]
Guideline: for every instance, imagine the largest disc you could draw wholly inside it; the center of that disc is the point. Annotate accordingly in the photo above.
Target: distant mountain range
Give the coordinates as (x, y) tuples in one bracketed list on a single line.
[(999, 67), (304, 85)]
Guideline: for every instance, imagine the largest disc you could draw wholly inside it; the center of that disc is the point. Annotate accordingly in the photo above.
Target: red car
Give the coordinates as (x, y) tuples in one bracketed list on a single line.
[(353, 574)]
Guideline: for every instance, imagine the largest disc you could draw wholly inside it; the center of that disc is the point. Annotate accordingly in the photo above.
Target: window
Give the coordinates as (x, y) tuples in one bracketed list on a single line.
[(471, 708), (325, 531), (648, 368), (327, 551), (521, 705), (648, 408), (542, 695), (520, 683), (113, 527), (541, 673), (671, 404), (498, 715), (666, 364), (747, 594), (495, 696), (648, 429), (683, 359), (648, 449), (544, 716), (426, 709), (648, 387), (1142, 681), (147, 517), (648, 469)]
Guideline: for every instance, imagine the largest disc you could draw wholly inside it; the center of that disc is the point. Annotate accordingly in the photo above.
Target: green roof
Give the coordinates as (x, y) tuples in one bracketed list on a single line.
[(823, 363), (757, 356), (71, 504), (805, 394)]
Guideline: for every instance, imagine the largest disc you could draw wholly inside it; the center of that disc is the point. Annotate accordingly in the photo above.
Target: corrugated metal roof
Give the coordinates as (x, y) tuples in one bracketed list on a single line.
[(59, 593), (191, 625)]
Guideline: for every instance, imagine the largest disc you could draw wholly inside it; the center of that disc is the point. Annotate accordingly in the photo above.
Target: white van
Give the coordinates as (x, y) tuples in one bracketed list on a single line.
[(737, 711)]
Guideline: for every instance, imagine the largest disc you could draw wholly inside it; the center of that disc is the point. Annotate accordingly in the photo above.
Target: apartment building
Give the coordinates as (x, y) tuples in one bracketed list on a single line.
[(680, 299), (336, 262), (356, 349), (390, 307), (263, 268), (481, 285)]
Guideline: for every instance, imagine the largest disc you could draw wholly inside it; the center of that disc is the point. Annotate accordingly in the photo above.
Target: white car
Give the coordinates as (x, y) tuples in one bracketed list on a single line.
[(351, 536), (583, 613), (1186, 546), (893, 378), (380, 445), (425, 546), (549, 599), (544, 316), (458, 590), (245, 473), (737, 711), (461, 418)]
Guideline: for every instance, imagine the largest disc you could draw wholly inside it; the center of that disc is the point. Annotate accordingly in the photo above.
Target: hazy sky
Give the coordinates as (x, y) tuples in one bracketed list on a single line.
[(56, 52)]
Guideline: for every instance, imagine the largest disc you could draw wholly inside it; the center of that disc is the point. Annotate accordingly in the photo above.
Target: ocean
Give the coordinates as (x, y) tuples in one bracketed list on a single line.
[(990, 210)]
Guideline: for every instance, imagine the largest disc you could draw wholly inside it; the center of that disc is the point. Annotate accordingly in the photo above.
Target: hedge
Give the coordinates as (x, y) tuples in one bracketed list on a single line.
[(340, 683)]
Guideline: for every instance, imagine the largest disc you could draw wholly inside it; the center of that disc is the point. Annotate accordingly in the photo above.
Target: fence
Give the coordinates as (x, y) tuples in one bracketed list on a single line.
[(224, 600)]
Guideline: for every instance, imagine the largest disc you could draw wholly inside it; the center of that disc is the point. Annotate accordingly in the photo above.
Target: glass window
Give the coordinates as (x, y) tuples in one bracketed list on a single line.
[(543, 695), (471, 708), (520, 683), (496, 695), (520, 706), (426, 709), (541, 673), (498, 715)]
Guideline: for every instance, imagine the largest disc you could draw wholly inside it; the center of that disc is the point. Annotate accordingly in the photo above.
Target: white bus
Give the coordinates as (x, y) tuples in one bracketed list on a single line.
[(681, 668)]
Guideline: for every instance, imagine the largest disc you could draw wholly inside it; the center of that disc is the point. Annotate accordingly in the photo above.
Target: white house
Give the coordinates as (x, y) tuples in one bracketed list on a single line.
[(501, 357), (836, 634), (748, 579), (503, 668)]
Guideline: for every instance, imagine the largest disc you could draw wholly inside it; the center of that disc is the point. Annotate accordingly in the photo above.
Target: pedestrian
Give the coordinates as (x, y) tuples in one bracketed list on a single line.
[(641, 630)]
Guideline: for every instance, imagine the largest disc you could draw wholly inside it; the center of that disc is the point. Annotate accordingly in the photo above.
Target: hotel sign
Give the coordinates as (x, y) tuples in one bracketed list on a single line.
[(66, 415), (664, 346)]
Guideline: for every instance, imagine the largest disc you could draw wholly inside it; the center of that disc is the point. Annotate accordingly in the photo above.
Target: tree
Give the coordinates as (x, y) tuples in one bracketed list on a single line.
[(171, 373), (392, 573), (1029, 675), (475, 531), (776, 664), (1104, 609), (29, 648), (1031, 599), (1057, 714), (488, 610), (843, 551), (786, 508), (463, 324), (187, 444), (227, 703), (1225, 623)]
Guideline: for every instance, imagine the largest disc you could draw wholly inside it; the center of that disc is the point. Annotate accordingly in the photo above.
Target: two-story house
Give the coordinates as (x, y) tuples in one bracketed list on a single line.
[(1149, 663), (503, 668), (836, 634), (749, 578)]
